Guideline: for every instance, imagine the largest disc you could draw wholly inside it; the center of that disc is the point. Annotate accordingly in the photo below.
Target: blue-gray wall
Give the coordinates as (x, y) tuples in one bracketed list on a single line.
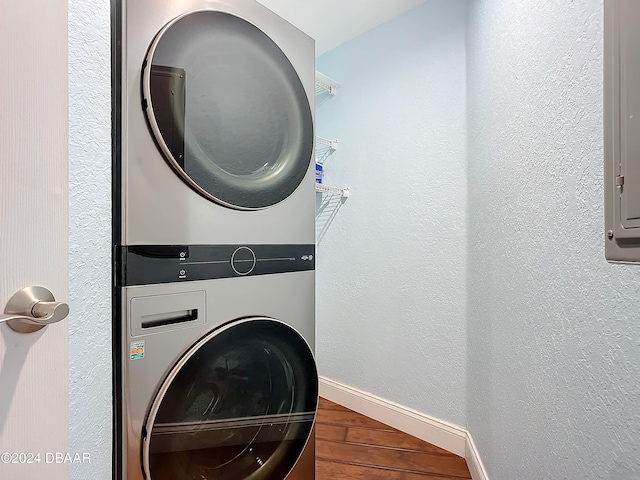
[(493, 309), (553, 330), (391, 268)]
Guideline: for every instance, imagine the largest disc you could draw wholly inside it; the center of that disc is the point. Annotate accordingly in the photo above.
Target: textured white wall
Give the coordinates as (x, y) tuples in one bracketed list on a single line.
[(554, 330), (391, 259), (90, 421)]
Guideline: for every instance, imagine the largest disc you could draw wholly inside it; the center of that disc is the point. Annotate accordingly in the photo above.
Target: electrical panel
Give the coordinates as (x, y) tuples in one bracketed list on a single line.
[(622, 130)]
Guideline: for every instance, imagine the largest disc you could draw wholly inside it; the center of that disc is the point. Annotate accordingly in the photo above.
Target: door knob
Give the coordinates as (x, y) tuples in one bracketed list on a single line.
[(33, 308)]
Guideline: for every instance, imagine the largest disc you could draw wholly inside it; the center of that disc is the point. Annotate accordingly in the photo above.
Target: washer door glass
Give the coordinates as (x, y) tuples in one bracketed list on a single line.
[(239, 405), (227, 110)]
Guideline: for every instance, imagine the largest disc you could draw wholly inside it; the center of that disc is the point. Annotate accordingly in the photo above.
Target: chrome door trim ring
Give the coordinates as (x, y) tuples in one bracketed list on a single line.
[(153, 124), (168, 381)]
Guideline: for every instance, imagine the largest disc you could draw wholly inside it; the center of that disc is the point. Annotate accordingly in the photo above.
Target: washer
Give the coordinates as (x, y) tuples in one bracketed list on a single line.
[(214, 124), (217, 377)]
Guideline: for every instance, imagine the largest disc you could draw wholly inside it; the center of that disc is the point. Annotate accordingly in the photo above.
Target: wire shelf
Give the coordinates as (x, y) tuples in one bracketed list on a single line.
[(321, 187), (324, 148), (325, 84)]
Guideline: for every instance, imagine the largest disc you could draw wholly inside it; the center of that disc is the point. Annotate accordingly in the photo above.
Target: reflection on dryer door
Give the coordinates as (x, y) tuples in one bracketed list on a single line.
[(168, 93)]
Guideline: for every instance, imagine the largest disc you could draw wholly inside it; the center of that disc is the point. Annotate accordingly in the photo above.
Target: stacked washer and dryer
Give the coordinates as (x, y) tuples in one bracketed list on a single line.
[(214, 202)]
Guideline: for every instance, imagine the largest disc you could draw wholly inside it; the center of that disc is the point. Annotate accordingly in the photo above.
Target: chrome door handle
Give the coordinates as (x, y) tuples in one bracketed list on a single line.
[(33, 308)]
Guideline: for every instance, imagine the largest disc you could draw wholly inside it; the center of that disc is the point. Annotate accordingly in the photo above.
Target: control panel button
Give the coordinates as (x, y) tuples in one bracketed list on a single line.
[(243, 260)]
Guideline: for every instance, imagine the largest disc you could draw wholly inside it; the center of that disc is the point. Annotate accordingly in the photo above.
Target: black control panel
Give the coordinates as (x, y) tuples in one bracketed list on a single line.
[(151, 264)]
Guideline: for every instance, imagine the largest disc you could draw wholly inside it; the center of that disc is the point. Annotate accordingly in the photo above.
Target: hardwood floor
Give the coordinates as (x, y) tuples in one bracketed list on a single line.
[(350, 446)]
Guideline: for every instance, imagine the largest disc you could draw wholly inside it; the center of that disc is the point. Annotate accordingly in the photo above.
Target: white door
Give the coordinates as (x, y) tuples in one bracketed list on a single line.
[(33, 234)]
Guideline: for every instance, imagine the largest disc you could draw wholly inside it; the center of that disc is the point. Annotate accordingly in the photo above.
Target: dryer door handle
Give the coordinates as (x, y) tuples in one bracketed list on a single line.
[(32, 309)]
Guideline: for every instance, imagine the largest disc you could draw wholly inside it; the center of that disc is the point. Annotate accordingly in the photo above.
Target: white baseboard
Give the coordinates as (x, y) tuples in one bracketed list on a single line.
[(474, 462), (442, 434)]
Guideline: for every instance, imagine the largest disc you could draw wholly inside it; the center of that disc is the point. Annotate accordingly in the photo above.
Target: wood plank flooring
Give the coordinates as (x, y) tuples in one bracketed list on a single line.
[(350, 446)]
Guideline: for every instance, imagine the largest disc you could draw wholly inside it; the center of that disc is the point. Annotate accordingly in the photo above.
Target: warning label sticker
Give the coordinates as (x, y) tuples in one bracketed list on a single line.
[(137, 350)]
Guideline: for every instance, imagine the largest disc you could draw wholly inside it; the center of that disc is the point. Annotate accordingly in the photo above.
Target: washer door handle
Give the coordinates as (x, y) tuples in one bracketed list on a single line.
[(33, 308)]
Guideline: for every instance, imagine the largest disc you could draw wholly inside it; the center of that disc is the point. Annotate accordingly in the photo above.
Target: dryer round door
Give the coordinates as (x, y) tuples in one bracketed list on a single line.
[(227, 109), (240, 404)]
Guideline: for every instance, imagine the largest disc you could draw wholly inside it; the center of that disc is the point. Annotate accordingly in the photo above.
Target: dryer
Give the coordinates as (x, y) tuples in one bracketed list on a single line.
[(214, 124)]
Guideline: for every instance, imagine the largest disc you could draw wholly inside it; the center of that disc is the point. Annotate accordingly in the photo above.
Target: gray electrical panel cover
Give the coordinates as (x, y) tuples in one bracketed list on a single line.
[(622, 130)]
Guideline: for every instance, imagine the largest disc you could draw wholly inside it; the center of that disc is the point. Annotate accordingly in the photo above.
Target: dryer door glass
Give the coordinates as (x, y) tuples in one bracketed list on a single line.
[(227, 110), (239, 405)]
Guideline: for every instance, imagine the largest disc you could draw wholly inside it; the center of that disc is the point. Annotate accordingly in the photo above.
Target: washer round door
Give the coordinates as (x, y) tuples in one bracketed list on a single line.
[(240, 404), (227, 109)]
